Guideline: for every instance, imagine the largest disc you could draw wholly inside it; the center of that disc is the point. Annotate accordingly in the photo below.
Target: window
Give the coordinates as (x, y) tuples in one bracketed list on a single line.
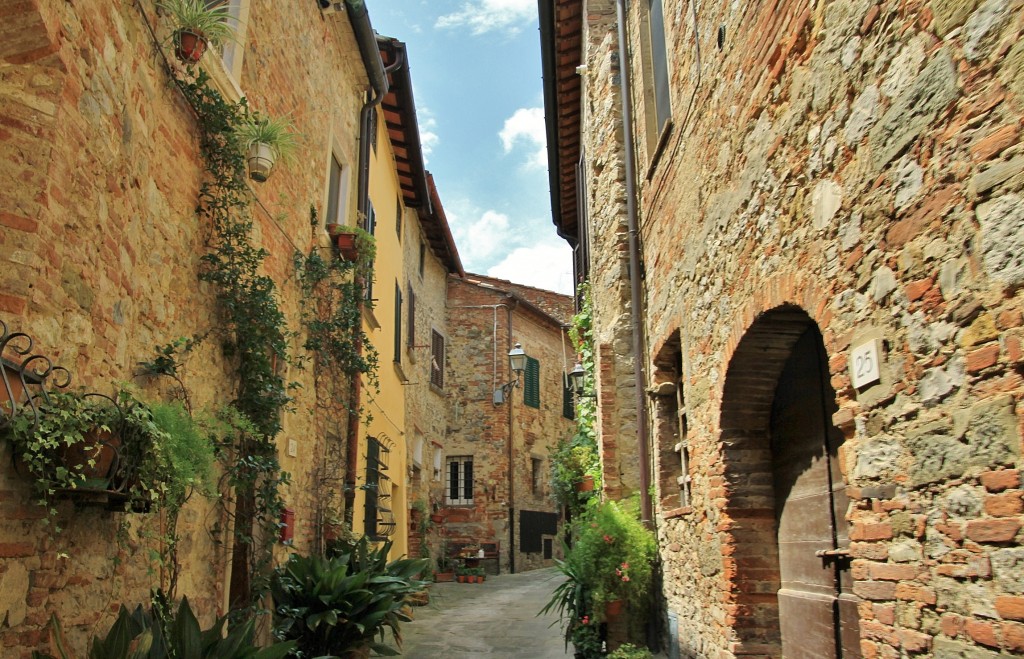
[(410, 339), (377, 519), (459, 481), (398, 219), (436, 359), (371, 129), (531, 386), (536, 475), (655, 67), (398, 324), (232, 50), (337, 192), (370, 227)]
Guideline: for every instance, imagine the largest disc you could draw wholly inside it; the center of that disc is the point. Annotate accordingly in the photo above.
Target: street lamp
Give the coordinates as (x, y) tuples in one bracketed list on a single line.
[(577, 380), (516, 360)]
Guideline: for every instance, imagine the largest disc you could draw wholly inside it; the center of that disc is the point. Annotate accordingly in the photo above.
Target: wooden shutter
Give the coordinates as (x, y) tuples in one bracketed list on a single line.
[(531, 388), (436, 359)]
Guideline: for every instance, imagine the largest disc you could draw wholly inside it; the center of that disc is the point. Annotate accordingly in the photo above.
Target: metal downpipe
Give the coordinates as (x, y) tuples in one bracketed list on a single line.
[(635, 301)]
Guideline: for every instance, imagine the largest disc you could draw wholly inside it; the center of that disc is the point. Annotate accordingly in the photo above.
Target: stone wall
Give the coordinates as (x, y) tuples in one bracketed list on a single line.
[(99, 256), (479, 318), (426, 404), (858, 166)]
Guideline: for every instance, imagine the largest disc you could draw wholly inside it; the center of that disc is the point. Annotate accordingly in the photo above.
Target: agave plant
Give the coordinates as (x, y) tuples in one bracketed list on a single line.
[(334, 605), (160, 634)]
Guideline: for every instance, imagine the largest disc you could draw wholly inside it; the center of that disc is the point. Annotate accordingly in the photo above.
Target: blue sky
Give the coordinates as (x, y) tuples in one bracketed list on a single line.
[(476, 75)]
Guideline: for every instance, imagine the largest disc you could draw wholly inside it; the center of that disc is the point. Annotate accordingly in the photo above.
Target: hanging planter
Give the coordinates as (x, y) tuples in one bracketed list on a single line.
[(197, 25), (265, 140), (189, 46)]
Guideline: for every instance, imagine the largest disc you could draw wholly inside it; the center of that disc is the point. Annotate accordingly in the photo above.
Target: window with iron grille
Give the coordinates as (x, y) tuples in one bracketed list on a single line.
[(459, 481), (531, 386), (436, 359), (378, 521)]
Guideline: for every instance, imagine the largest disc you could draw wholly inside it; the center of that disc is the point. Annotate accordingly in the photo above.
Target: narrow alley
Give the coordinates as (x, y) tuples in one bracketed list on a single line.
[(496, 618)]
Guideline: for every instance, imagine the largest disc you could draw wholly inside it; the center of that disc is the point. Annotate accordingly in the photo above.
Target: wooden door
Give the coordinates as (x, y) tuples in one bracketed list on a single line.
[(818, 617)]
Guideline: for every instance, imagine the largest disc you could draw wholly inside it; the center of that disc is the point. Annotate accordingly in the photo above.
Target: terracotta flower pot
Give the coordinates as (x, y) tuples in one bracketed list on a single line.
[(613, 609), (99, 447), (189, 46), (444, 577), (346, 242), (585, 485), (437, 518)]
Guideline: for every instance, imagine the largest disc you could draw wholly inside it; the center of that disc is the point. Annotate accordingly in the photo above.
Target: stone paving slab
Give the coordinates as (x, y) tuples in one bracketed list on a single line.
[(497, 618)]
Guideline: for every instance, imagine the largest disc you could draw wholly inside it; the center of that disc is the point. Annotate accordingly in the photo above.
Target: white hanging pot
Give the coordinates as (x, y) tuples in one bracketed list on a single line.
[(261, 161)]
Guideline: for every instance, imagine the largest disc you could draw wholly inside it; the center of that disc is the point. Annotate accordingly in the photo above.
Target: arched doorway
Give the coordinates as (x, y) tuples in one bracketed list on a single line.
[(787, 502)]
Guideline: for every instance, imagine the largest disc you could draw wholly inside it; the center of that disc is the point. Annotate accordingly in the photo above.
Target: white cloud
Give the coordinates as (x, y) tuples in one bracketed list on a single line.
[(527, 125), (545, 265), (479, 236), (428, 138), (483, 16)]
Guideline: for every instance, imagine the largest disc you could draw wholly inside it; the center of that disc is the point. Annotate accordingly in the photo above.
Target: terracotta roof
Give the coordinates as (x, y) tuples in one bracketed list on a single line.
[(403, 129), (561, 34), (418, 189)]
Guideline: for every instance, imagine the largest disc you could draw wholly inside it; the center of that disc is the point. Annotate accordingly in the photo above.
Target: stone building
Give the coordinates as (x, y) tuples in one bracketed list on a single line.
[(803, 223), (101, 250), (497, 494), (430, 251)]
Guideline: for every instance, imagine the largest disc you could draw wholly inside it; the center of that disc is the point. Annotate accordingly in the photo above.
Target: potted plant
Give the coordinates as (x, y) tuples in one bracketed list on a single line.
[(630, 651), (339, 605), (264, 140), (444, 567), (89, 447), (462, 574), (356, 244), (198, 24)]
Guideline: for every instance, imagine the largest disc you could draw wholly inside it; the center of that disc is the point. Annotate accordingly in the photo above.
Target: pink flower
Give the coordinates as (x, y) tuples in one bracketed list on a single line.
[(625, 577), (608, 538), (586, 620), (625, 566)]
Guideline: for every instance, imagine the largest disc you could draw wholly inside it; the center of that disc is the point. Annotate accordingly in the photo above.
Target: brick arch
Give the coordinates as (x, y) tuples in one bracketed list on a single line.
[(750, 540)]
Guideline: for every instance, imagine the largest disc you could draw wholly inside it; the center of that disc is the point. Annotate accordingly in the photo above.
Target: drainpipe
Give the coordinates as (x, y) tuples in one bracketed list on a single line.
[(511, 455), (634, 270), (367, 41)]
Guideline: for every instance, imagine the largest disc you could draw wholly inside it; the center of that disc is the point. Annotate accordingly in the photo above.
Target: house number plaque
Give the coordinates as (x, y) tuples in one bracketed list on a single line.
[(864, 368)]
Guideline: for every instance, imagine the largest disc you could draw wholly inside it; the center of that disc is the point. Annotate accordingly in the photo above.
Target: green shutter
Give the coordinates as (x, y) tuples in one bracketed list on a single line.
[(568, 402), (531, 388)]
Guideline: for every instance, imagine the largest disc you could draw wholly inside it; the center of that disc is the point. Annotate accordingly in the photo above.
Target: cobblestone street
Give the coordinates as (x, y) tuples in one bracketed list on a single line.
[(494, 619)]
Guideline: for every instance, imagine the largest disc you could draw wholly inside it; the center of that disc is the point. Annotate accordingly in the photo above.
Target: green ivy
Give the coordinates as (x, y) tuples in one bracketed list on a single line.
[(577, 456), (254, 331)]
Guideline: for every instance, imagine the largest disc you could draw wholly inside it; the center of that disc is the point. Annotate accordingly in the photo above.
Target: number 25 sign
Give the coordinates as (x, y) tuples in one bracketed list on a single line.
[(864, 367)]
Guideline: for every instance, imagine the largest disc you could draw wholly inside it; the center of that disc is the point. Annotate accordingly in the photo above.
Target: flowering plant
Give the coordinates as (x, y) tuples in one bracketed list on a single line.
[(616, 555), (586, 638)]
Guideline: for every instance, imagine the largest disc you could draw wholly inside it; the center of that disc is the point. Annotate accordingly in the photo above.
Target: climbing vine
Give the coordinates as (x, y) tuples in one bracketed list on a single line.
[(577, 457), (254, 333), (333, 288)]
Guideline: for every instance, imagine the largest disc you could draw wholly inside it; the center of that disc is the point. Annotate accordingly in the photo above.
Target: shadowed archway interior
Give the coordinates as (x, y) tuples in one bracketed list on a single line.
[(785, 494)]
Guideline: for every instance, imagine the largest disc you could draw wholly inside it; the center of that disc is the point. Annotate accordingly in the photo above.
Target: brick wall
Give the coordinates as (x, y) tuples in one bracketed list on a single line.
[(859, 164), (99, 249), (478, 323)]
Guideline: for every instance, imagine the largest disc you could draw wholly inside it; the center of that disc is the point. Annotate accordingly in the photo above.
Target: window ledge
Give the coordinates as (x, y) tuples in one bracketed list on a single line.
[(221, 78), (436, 389), (678, 512), (370, 317), (400, 372)]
